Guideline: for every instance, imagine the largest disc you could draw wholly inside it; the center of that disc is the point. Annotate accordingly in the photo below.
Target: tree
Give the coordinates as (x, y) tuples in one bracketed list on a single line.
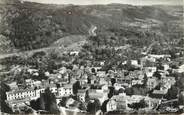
[(47, 101), (76, 87), (93, 106), (172, 93), (157, 74), (137, 106), (104, 106), (35, 104), (4, 107), (111, 92), (129, 91), (50, 101), (63, 101), (180, 82), (181, 98), (113, 81)]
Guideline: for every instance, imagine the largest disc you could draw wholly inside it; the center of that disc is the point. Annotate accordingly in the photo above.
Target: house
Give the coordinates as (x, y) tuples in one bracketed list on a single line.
[(159, 56), (74, 53), (134, 62), (166, 67), (180, 69), (120, 102), (13, 85), (102, 81), (117, 103), (81, 94), (101, 73), (65, 90), (125, 82), (158, 93), (53, 88), (31, 71), (97, 68), (151, 59), (102, 63), (17, 105), (137, 74), (62, 70), (169, 80), (23, 94), (118, 86), (83, 81), (149, 71), (152, 82), (111, 105), (137, 81), (33, 83)]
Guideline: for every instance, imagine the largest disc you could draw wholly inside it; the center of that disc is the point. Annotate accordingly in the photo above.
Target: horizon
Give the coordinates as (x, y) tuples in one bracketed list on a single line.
[(105, 2)]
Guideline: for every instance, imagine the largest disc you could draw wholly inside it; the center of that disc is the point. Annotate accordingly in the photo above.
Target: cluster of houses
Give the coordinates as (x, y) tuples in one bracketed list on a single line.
[(94, 84), (120, 102)]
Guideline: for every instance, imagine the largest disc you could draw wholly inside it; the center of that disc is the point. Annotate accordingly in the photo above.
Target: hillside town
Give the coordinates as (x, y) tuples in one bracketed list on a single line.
[(108, 59), (145, 87)]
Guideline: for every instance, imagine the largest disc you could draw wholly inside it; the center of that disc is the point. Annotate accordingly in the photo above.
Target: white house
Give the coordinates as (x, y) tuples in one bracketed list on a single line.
[(66, 90), (23, 94), (134, 62), (74, 53), (101, 73), (81, 94), (33, 83), (150, 71), (152, 82)]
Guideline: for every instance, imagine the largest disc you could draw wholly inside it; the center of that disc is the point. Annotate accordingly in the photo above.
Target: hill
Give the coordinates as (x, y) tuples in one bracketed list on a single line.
[(30, 26)]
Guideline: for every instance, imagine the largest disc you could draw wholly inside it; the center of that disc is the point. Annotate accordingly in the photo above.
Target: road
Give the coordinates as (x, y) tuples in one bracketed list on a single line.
[(92, 30), (30, 52), (149, 48)]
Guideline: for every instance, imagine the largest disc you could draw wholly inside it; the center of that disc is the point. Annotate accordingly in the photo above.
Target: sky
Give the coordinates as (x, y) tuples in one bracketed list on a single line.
[(132, 2)]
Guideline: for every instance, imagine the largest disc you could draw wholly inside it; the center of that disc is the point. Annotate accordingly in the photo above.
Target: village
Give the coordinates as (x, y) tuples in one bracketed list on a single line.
[(96, 59), (144, 88)]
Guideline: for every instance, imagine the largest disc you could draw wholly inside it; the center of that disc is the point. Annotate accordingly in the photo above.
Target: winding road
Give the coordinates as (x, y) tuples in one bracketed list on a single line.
[(92, 30)]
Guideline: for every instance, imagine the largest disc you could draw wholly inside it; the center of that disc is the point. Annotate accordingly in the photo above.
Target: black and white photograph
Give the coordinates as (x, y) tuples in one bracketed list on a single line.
[(91, 57)]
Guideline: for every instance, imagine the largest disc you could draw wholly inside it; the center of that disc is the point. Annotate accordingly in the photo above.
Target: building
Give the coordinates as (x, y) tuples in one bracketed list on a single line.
[(158, 93), (159, 56), (13, 85), (134, 62), (19, 98), (120, 102), (137, 81), (33, 83), (81, 95), (74, 53), (65, 90), (22, 94), (180, 69), (136, 74), (166, 67), (149, 71), (168, 81), (125, 82), (101, 73), (152, 82), (118, 86)]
